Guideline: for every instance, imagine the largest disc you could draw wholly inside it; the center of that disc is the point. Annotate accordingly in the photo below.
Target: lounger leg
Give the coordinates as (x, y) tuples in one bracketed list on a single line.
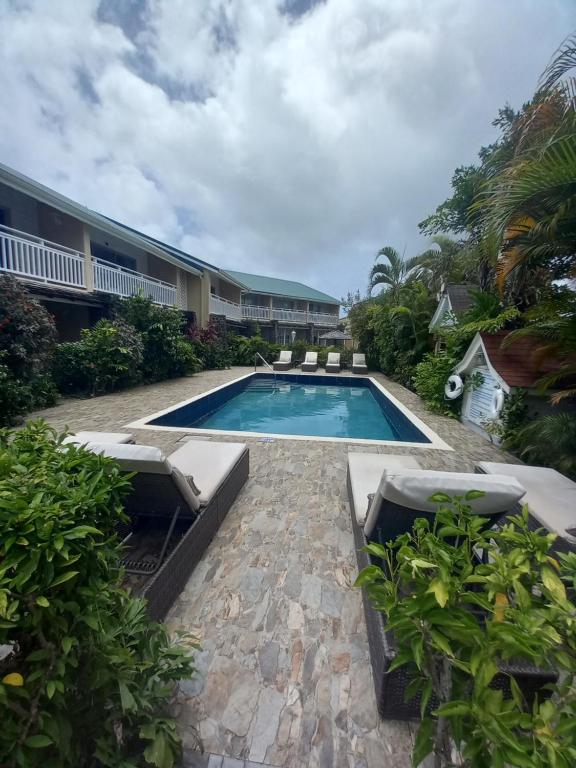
[(149, 572)]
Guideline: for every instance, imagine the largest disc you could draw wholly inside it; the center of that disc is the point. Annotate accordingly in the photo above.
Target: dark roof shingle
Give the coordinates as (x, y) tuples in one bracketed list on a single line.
[(519, 364)]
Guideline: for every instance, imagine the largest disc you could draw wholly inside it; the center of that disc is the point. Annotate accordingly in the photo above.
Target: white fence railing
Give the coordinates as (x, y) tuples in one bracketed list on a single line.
[(220, 306), (109, 278), (255, 313), (31, 257), (290, 315), (321, 318)]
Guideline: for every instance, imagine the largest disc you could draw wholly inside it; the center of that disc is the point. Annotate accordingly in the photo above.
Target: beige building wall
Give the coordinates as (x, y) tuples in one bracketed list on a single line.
[(194, 288), (162, 270), (60, 228)]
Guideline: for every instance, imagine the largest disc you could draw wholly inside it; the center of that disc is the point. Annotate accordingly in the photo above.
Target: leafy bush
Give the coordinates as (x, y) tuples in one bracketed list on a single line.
[(27, 331), (167, 353), (429, 381), (549, 440), (108, 357), (89, 676), (211, 346), (458, 620), (27, 338), (243, 350)]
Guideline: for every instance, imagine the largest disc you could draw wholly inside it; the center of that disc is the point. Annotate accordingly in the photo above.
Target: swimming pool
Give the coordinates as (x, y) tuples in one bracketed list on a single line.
[(299, 406)]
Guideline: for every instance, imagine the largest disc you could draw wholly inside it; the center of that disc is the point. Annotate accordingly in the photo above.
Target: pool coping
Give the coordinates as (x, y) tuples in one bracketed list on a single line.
[(435, 443)]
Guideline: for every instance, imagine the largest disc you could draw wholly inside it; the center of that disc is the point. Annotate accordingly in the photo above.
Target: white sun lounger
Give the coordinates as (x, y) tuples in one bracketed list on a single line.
[(359, 363), (333, 362), (284, 362), (550, 496), (310, 362), (116, 438)]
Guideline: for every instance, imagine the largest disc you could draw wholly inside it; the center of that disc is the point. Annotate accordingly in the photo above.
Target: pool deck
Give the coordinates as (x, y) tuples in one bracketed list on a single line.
[(284, 674)]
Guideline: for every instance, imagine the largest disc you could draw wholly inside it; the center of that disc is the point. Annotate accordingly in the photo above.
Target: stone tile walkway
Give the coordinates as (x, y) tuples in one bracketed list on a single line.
[(284, 675)]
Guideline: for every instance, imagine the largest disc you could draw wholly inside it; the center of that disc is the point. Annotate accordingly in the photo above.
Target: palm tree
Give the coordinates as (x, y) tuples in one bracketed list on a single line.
[(395, 274), (443, 264), (530, 204)]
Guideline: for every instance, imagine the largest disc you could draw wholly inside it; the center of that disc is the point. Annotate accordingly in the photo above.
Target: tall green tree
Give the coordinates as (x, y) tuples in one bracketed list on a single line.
[(396, 273)]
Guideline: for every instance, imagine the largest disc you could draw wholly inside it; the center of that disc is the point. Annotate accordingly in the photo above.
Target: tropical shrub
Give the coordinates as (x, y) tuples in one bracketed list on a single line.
[(243, 350), (430, 378), (108, 356), (458, 619), (211, 346), (548, 440), (166, 351), (27, 338), (27, 331), (88, 678)]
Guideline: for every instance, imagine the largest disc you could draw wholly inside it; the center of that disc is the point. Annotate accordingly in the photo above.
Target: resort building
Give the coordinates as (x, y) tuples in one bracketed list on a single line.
[(285, 309), (75, 260)]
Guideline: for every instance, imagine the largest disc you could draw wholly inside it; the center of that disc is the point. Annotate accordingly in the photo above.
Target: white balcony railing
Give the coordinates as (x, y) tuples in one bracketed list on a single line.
[(110, 278), (322, 318), (36, 259), (220, 306), (255, 313), (290, 315)]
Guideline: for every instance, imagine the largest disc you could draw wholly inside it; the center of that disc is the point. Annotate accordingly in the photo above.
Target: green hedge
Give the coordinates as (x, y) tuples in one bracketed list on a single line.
[(89, 678)]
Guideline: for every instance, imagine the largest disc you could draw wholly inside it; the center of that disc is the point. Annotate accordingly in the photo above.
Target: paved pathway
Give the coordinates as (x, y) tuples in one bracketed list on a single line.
[(284, 675)]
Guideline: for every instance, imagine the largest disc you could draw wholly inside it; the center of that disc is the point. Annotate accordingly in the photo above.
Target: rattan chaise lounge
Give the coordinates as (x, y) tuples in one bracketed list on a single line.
[(82, 438), (333, 362), (284, 362), (310, 363), (359, 363), (550, 497), (379, 512), (191, 491)]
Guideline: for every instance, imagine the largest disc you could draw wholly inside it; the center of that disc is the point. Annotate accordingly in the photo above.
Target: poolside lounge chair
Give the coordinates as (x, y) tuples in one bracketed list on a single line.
[(383, 491), (310, 362), (333, 362), (188, 493), (82, 438), (550, 496), (284, 362), (359, 364)]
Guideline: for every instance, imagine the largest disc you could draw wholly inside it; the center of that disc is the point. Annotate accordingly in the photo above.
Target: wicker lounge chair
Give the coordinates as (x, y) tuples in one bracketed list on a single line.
[(550, 496), (165, 500), (359, 364), (284, 362), (333, 362), (310, 362), (81, 438), (365, 483)]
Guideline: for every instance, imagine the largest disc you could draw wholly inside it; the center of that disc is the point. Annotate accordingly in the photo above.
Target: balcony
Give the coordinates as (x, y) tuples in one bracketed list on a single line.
[(220, 306), (253, 312), (109, 278), (296, 316), (32, 258)]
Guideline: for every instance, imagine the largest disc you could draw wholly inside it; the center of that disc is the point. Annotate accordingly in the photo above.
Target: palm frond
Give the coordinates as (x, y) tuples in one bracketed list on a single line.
[(563, 60)]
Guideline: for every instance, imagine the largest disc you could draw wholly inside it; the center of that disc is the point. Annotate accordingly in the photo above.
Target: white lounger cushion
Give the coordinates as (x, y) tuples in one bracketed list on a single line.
[(99, 437), (365, 472), (359, 361), (285, 357), (150, 460), (413, 488), (311, 358), (210, 462), (333, 358), (551, 497)]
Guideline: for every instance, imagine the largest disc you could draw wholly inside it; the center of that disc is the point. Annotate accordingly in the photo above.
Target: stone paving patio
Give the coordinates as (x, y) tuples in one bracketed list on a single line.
[(284, 673)]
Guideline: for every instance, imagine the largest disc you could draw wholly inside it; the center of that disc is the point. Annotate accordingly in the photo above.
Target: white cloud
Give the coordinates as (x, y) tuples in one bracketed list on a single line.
[(296, 146)]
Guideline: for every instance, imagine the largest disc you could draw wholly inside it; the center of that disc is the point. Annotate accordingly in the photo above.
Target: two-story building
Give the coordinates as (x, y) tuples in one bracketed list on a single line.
[(74, 259), (285, 309)]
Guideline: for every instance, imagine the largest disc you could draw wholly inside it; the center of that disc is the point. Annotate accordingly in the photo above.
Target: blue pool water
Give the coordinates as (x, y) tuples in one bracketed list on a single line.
[(296, 404)]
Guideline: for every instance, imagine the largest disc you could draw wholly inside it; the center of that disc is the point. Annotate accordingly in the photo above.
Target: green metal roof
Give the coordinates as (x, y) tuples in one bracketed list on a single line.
[(278, 287)]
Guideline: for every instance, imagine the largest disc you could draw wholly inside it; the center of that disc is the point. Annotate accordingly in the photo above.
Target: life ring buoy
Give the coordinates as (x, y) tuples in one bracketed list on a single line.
[(497, 403), (454, 387)]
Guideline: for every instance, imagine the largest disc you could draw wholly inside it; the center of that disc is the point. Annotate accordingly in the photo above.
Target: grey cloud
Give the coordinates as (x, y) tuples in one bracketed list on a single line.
[(292, 139)]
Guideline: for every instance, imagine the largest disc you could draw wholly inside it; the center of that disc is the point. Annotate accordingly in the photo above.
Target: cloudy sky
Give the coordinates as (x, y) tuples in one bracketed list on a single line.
[(286, 137)]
